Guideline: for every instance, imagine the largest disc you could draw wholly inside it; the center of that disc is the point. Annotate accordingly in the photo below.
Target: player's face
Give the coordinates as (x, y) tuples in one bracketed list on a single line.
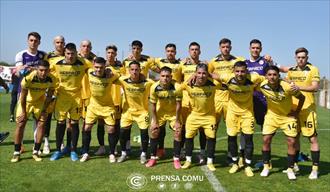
[(255, 49), (240, 73), (170, 53), (165, 77), (85, 47), (194, 52), (99, 69), (225, 49), (136, 50), (134, 71), (111, 54), (201, 76), (301, 59), (59, 44), (272, 76), (70, 55), (42, 72), (33, 42)]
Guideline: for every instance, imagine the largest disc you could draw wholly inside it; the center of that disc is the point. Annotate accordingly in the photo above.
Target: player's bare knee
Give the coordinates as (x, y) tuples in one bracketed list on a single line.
[(154, 133), (111, 129)]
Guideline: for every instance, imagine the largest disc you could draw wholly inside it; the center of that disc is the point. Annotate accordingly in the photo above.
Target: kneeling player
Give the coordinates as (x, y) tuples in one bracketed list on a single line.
[(37, 90), (278, 94), (201, 95), (100, 107), (167, 95)]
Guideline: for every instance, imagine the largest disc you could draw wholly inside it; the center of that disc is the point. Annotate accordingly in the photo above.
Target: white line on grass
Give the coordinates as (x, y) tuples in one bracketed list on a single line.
[(212, 179), (259, 133)]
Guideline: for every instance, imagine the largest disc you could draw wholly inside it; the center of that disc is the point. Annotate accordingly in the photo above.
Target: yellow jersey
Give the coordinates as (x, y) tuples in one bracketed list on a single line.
[(165, 98), (146, 63), (175, 66), (279, 100), (118, 68), (70, 75), (220, 66), (38, 88), (304, 77), (136, 94), (101, 88), (202, 97), (241, 95)]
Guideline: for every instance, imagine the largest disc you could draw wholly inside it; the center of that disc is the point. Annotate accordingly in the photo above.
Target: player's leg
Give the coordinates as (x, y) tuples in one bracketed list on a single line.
[(143, 124), (154, 141), (86, 137), (209, 126), (41, 121), (247, 124), (21, 120), (125, 123), (177, 148), (266, 152), (161, 139), (192, 126), (291, 155), (202, 144), (232, 124), (110, 122), (100, 137)]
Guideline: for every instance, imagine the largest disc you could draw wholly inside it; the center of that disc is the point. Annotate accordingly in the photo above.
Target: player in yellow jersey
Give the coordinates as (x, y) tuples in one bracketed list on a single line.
[(240, 112), (280, 115), (117, 67), (201, 94), (188, 68), (101, 106), (223, 64), (135, 109), (146, 62), (37, 90), (174, 64), (59, 43), (165, 99), (70, 70), (305, 77), (85, 51)]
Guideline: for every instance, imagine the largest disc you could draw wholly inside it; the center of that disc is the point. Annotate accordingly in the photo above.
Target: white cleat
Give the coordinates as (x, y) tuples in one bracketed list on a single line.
[(313, 175), (291, 174), (112, 158), (84, 158), (143, 159), (264, 172), (46, 150)]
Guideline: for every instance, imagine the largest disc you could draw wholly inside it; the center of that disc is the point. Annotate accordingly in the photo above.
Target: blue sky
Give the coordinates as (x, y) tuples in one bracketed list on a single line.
[(281, 26)]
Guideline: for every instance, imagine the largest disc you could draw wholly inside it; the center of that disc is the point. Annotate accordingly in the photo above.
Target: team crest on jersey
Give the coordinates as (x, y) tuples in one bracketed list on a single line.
[(261, 62)]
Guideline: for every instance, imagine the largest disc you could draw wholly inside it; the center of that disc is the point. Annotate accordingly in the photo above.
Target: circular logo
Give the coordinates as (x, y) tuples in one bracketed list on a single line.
[(161, 186), (175, 186), (261, 62), (188, 186), (136, 181)]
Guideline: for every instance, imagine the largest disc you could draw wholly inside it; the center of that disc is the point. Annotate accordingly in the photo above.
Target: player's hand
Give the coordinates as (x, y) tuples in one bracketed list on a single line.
[(43, 115), (177, 125), (191, 81), (268, 58), (186, 60), (154, 129), (108, 73), (294, 87), (130, 56)]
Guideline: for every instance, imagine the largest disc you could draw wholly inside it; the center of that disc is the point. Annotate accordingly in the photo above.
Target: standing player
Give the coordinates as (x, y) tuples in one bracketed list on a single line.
[(240, 112), (146, 63), (223, 64), (305, 77), (201, 95), (70, 70), (101, 106), (135, 109), (188, 68), (174, 64), (117, 67), (37, 90), (26, 60), (165, 99), (279, 115), (59, 43)]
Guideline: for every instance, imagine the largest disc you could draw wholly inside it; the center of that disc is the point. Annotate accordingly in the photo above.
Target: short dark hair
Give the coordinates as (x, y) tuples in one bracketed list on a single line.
[(113, 47), (71, 47), (43, 63), (166, 69), (99, 60), (302, 49), (203, 66), (240, 64), (224, 41), (170, 45), (256, 41), (194, 44), (137, 43), (272, 67), (134, 63), (35, 34)]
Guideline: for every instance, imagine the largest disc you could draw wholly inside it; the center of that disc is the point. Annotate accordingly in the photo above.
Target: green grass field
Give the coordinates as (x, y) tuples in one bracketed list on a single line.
[(99, 175)]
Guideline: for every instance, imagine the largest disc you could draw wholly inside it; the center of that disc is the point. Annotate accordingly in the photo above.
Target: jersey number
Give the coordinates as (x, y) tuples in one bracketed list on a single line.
[(308, 124), (293, 126)]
